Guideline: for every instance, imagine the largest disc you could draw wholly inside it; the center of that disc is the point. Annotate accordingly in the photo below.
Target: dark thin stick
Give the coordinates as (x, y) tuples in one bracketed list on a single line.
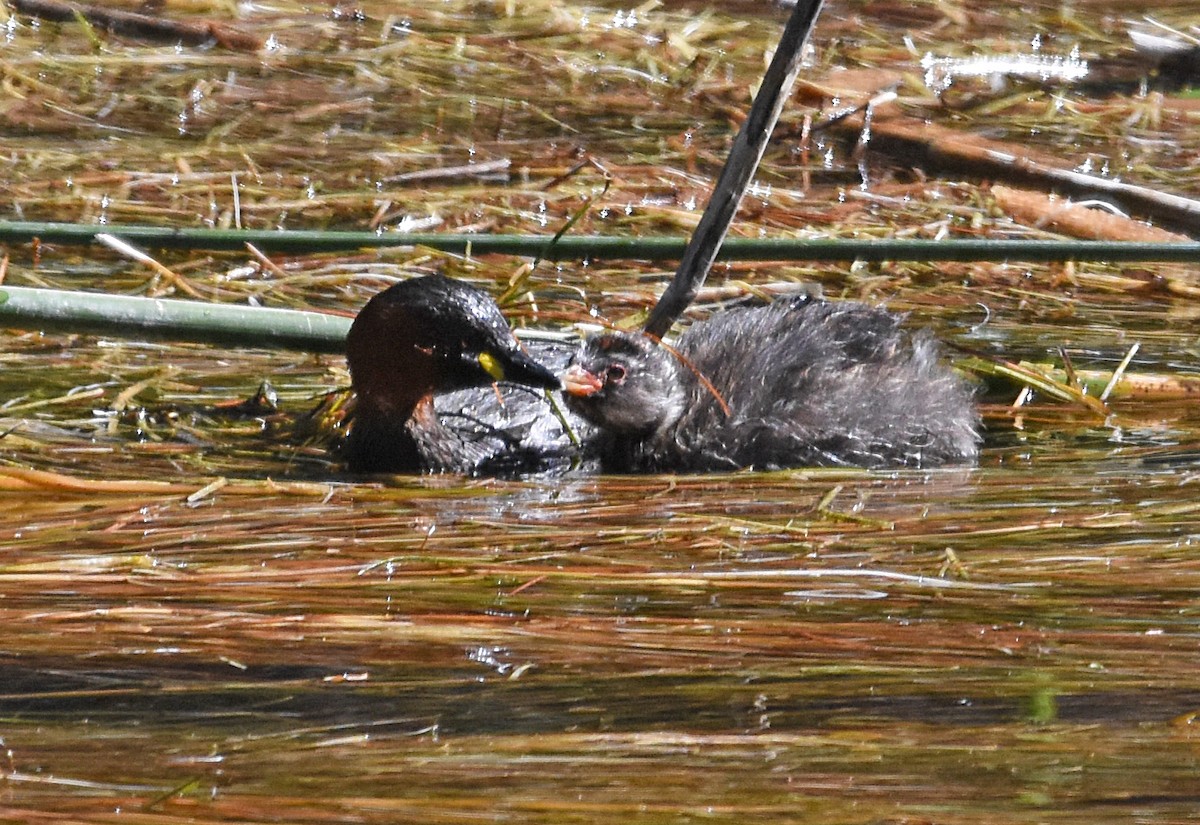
[(743, 161), (133, 24), (936, 147)]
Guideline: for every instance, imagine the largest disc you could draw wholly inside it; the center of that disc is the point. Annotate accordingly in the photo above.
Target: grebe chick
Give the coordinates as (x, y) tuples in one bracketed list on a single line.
[(417, 339), (802, 382)]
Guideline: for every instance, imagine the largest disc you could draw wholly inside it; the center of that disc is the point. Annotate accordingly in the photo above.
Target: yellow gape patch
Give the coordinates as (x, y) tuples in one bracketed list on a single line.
[(491, 365)]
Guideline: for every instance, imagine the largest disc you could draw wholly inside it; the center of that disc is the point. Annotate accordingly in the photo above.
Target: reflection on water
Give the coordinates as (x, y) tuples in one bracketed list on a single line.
[(407, 648), (1009, 643)]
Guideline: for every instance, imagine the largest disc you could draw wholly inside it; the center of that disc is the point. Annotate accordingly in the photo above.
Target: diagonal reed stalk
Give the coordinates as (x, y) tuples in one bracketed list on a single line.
[(744, 157)]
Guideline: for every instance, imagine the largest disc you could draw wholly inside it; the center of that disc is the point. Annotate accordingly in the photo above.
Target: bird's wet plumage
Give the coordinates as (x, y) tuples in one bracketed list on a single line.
[(801, 382), (424, 356)]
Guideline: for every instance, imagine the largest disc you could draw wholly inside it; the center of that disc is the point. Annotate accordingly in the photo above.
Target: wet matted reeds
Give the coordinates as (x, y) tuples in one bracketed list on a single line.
[(206, 621)]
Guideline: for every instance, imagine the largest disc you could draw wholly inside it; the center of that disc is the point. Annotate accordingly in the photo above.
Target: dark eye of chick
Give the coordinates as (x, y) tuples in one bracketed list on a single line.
[(616, 374)]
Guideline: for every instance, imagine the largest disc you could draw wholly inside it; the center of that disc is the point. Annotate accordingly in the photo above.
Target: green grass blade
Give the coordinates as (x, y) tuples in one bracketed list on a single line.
[(611, 248), (54, 310)]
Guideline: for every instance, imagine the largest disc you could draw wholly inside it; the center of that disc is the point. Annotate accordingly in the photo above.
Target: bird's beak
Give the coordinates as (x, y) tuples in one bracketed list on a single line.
[(519, 368), (579, 382)]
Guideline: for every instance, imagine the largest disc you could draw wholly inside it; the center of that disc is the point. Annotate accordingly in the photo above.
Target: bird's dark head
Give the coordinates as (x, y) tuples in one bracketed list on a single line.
[(626, 384), (431, 335)]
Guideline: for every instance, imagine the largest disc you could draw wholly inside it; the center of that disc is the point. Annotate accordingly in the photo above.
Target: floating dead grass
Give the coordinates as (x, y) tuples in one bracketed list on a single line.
[(840, 646)]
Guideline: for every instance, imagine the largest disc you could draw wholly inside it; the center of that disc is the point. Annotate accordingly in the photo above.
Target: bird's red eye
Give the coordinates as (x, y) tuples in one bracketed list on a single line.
[(615, 373)]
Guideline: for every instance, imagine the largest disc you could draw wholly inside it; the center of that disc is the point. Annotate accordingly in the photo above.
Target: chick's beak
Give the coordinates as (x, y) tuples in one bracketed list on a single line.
[(579, 382), (519, 368)]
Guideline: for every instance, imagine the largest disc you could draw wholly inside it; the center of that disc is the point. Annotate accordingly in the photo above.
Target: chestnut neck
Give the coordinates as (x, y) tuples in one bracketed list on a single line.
[(395, 383), (390, 372)]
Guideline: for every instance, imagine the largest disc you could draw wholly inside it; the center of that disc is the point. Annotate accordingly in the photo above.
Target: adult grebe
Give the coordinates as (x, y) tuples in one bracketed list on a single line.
[(424, 337)]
